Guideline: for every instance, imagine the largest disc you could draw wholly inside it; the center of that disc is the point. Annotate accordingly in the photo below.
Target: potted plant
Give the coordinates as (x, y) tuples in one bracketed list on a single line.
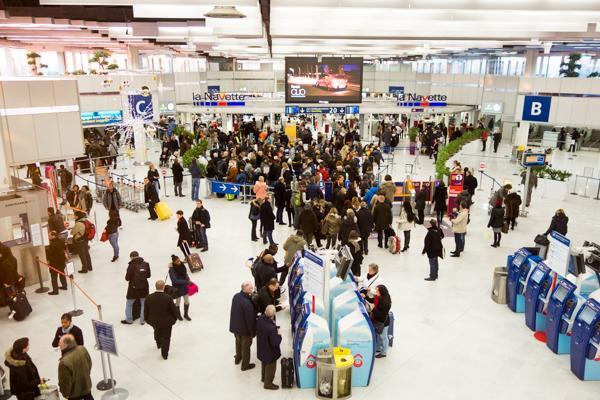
[(101, 58), (413, 133)]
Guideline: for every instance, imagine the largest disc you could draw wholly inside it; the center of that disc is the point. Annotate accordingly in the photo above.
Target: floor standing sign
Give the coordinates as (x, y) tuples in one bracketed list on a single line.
[(558, 254), (456, 186), (107, 344)]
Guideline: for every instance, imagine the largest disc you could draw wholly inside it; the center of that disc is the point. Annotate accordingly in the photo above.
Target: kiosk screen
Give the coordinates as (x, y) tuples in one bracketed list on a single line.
[(537, 275), (587, 315), (518, 260), (560, 293)]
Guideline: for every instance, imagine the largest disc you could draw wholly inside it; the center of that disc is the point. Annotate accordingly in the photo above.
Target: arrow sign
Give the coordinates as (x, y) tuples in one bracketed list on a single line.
[(223, 187)]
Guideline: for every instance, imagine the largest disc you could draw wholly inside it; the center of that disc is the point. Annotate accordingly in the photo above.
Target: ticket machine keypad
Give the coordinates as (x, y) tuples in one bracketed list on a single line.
[(546, 283), (567, 314)]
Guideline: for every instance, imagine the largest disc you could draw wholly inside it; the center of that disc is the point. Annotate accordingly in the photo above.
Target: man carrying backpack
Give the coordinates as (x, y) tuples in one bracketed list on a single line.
[(138, 273), (83, 231)]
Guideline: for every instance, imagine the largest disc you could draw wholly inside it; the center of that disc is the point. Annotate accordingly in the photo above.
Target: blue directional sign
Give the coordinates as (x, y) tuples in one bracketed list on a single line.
[(105, 337), (536, 108), (227, 188), (292, 110)]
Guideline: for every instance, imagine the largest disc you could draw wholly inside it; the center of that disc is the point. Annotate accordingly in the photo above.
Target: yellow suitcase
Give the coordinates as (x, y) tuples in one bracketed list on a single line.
[(163, 211)]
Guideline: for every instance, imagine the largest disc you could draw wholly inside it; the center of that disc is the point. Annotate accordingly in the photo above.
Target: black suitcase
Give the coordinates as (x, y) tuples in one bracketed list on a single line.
[(20, 306), (542, 240), (136, 309), (287, 373)]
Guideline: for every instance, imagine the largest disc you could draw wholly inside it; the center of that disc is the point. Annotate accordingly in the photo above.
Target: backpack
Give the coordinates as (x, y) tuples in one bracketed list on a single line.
[(90, 230), (140, 275)]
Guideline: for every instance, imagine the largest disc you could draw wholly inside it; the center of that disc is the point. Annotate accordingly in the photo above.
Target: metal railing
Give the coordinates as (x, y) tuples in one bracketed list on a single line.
[(494, 181), (585, 191)]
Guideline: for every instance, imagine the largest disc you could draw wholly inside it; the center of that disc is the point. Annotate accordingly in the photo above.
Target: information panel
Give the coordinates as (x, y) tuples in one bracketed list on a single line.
[(105, 337), (313, 272), (101, 117), (558, 254)]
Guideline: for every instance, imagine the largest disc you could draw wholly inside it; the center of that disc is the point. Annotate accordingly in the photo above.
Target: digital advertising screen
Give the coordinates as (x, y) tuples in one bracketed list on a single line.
[(331, 80)]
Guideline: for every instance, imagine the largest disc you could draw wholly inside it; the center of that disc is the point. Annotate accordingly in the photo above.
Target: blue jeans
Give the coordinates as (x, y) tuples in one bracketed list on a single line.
[(129, 310), (202, 239), (268, 235), (113, 239), (383, 342), (433, 267), (459, 241), (195, 188)]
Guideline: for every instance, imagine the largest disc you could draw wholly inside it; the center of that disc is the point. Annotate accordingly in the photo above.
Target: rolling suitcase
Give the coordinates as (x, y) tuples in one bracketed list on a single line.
[(162, 210), (20, 306), (287, 373), (391, 328), (394, 244), (193, 259)]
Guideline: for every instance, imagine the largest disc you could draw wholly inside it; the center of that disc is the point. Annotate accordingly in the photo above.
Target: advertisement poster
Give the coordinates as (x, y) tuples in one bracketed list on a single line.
[(328, 80), (456, 183)]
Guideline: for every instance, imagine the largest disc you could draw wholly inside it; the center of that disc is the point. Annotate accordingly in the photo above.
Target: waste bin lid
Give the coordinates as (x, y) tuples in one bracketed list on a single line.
[(341, 351), (343, 361)]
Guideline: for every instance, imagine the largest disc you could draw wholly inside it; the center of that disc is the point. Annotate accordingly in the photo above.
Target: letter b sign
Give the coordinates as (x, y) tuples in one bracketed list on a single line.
[(536, 108)]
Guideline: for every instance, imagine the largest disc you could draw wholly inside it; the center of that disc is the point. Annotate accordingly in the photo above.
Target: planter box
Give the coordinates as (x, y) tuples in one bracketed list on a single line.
[(412, 148), (551, 189)]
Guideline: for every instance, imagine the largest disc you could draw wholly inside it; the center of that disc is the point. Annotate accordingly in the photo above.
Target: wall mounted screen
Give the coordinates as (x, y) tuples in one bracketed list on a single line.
[(331, 80)]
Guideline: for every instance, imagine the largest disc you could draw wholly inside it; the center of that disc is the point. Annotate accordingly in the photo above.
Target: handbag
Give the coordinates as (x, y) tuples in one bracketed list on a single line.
[(192, 288), (504, 227), (104, 236), (171, 290)]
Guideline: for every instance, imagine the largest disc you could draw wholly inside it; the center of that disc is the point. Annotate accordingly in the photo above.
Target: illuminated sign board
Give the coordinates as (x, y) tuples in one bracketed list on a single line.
[(417, 100), (101, 117), (292, 110)]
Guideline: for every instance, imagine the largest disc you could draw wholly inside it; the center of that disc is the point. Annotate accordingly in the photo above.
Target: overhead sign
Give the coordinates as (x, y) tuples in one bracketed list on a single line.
[(101, 117), (534, 160), (536, 108), (417, 100), (140, 106), (167, 108), (213, 88), (557, 257), (227, 188), (292, 110), (396, 91), (105, 337), (219, 103), (492, 108)]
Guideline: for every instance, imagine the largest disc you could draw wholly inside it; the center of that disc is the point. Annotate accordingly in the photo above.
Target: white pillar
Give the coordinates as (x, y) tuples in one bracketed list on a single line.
[(133, 57), (362, 125), (522, 134), (5, 181), (530, 62), (140, 142)]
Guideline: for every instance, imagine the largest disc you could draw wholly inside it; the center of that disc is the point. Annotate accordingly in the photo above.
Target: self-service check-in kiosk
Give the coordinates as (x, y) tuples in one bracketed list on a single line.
[(519, 267), (311, 335), (536, 295), (355, 332), (341, 306), (562, 308), (585, 342)]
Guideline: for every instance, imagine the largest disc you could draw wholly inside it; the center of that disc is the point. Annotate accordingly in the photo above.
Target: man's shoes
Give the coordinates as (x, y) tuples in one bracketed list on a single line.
[(271, 387), (249, 366), (204, 249), (430, 279), (493, 245), (63, 288), (115, 258), (81, 271), (455, 255), (158, 345), (237, 360), (124, 321), (150, 218), (52, 293), (380, 245), (379, 355), (403, 250), (255, 240), (165, 356)]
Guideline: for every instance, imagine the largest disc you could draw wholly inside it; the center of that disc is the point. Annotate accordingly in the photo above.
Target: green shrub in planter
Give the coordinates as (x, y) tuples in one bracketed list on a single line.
[(181, 131), (413, 133), (194, 152), (546, 172), (448, 151)]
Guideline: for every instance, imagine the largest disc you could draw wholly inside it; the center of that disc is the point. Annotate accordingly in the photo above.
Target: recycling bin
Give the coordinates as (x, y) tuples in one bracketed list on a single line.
[(334, 373), (499, 285)]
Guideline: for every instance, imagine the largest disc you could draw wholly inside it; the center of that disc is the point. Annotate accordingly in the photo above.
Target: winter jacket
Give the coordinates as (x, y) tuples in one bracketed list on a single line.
[(75, 331), (348, 225), (112, 199), (279, 194), (365, 221), (381, 311), (56, 253), (56, 223), (266, 298), (138, 286), (24, 376), (433, 243), (263, 273), (420, 200), (268, 341), (292, 245), (184, 232), (332, 224), (201, 215), (459, 224), (267, 218), (496, 218), (513, 204), (440, 195), (382, 216), (260, 189), (558, 224), (389, 190), (470, 184), (242, 317), (74, 370), (307, 221), (179, 278), (404, 224), (177, 170)]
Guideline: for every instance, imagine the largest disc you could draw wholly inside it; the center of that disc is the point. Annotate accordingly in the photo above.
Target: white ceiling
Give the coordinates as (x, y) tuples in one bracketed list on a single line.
[(371, 28)]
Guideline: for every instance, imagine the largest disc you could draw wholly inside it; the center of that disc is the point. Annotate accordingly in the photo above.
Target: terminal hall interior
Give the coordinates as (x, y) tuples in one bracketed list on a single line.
[(272, 199)]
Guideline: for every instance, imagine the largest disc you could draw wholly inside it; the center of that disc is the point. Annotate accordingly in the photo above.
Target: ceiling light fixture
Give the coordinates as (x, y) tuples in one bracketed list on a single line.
[(227, 12)]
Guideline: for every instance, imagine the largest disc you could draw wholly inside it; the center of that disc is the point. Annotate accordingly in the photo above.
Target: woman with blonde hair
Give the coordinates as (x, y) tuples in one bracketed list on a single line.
[(331, 227)]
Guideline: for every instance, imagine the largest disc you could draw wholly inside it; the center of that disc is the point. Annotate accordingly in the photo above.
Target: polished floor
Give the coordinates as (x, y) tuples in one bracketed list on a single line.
[(452, 340)]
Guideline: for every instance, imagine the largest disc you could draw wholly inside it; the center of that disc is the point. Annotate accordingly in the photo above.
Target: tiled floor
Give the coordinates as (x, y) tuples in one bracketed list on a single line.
[(452, 340)]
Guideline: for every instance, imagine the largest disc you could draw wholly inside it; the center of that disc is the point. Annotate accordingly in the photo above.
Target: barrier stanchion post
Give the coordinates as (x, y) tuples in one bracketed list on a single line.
[(76, 312), (598, 193), (574, 192), (42, 288), (480, 181), (107, 382)]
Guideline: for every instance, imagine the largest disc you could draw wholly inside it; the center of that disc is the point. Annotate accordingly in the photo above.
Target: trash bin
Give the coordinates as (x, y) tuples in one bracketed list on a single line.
[(334, 373), (499, 285)]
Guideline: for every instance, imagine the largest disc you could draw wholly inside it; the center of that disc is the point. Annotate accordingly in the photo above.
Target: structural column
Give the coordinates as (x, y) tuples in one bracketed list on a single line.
[(522, 134), (133, 57), (530, 62)]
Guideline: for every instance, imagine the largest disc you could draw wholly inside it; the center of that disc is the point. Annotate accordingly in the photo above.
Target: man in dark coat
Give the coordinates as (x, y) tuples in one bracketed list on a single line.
[(420, 200), (138, 273), (242, 323), (559, 222), (307, 222), (177, 170), (470, 182), (201, 222), (279, 193), (382, 218), (112, 198), (433, 248), (150, 197), (184, 233), (365, 225), (267, 220), (161, 314), (269, 295), (266, 269), (268, 340)]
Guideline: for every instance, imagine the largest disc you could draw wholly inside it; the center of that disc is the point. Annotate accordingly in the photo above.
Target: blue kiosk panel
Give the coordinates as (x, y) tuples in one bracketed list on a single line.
[(536, 293), (518, 266), (561, 305), (355, 332), (585, 342)]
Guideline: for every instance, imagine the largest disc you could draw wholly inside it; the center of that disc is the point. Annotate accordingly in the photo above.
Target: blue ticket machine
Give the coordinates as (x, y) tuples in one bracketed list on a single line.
[(295, 275), (336, 288), (585, 342), (355, 332), (519, 266), (536, 294), (341, 306), (311, 335), (559, 316)]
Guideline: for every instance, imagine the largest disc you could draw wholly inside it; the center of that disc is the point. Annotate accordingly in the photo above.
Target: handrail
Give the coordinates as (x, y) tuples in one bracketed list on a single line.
[(494, 181)]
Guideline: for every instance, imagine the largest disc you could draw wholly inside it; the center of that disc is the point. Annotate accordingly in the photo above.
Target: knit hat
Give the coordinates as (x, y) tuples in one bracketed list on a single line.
[(174, 258)]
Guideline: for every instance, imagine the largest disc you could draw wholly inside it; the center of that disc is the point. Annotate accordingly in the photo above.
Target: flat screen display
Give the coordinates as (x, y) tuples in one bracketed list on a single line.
[(560, 293), (331, 80), (537, 276), (343, 260), (587, 315), (518, 260)]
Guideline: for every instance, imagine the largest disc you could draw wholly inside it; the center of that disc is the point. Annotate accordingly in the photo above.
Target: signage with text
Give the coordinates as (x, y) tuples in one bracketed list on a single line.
[(417, 100), (141, 106), (105, 337), (292, 110), (101, 117), (396, 91), (534, 160), (536, 108)]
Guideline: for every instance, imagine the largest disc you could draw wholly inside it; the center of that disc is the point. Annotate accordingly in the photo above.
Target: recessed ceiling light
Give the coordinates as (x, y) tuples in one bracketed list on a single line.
[(228, 12)]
